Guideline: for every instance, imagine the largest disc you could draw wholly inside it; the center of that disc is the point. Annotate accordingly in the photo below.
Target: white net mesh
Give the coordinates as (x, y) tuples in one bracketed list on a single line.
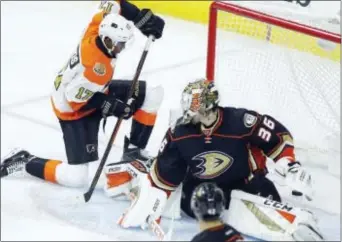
[(289, 75)]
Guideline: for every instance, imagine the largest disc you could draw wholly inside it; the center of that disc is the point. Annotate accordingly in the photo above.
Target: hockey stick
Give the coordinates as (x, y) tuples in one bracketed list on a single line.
[(134, 88)]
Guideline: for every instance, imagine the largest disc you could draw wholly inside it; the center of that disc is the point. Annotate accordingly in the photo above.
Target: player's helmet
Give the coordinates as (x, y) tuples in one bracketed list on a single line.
[(198, 97), (115, 31), (208, 202)]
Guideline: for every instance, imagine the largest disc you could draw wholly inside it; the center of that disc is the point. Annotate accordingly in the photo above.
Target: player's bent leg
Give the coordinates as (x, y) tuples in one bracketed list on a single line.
[(271, 220), (147, 103), (58, 172), (144, 118), (81, 145), (49, 170)]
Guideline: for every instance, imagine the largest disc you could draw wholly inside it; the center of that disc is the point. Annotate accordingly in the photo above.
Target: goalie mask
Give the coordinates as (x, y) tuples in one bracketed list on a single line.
[(199, 98)]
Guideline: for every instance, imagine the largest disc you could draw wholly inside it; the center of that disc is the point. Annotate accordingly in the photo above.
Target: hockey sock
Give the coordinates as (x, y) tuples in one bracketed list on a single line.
[(142, 126), (43, 168)]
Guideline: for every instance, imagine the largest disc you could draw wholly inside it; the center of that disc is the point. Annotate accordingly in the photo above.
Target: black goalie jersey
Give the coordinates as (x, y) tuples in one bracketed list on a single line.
[(231, 151)]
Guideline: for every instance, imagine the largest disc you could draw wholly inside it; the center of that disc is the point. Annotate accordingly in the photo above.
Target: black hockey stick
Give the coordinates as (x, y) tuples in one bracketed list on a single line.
[(134, 88)]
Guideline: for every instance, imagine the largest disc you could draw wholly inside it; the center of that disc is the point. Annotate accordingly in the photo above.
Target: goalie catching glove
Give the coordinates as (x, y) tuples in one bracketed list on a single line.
[(296, 177)]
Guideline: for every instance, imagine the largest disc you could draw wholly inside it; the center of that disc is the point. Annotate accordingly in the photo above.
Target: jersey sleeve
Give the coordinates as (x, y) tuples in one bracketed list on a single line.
[(169, 169), (269, 135)]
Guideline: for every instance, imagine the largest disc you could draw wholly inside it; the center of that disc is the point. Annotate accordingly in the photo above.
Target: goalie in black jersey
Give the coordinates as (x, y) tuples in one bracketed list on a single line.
[(228, 146)]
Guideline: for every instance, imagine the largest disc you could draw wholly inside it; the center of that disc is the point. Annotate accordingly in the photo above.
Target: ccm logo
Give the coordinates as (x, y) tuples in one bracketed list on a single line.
[(156, 204), (278, 205)]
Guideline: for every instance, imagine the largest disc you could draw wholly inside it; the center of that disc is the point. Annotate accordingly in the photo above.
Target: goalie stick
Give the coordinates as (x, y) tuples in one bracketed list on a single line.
[(133, 88)]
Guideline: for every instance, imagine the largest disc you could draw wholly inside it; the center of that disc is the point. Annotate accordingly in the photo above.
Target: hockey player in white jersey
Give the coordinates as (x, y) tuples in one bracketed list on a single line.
[(228, 146), (84, 93)]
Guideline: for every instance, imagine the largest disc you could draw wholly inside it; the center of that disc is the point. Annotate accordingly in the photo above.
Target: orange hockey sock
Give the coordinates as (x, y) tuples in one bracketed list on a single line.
[(43, 168)]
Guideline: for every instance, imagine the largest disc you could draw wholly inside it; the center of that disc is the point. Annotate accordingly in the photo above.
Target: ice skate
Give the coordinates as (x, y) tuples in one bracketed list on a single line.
[(14, 162), (132, 152)]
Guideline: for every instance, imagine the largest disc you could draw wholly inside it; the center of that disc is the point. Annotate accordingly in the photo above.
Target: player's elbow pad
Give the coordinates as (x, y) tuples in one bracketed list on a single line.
[(95, 102)]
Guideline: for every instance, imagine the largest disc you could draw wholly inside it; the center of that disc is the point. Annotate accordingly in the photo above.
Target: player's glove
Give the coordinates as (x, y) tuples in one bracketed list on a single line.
[(149, 24), (115, 107), (296, 177)]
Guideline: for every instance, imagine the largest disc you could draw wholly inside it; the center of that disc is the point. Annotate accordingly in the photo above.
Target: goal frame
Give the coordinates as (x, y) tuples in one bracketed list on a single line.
[(259, 16)]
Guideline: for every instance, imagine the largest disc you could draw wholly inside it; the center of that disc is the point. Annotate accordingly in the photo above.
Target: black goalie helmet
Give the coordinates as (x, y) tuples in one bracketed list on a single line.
[(208, 202)]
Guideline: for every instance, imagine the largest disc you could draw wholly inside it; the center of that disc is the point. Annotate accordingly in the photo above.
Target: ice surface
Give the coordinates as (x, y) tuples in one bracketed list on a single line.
[(36, 39)]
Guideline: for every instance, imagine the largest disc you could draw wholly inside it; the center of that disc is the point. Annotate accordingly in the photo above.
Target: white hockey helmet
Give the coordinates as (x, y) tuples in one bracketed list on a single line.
[(115, 31)]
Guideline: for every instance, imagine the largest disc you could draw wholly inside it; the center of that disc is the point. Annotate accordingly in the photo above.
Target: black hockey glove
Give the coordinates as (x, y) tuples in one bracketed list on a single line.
[(149, 24), (112, 106)]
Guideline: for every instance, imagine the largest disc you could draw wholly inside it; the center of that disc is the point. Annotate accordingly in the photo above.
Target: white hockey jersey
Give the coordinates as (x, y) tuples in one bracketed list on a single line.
[(87, 71)]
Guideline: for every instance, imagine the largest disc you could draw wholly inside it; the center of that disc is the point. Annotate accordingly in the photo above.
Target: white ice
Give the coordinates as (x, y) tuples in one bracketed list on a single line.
[(36, 39)]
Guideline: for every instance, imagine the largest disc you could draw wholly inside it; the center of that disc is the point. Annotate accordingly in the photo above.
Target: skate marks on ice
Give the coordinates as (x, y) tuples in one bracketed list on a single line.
[(58, 206), (18, 207), (99, 215)]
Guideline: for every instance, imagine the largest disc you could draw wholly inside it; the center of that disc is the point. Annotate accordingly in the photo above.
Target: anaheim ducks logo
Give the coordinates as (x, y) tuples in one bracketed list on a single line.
[(213, 164)]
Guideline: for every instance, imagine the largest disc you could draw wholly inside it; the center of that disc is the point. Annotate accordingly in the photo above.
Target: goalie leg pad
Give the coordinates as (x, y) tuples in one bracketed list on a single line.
[(122, 178), (118, 180), (147, 202), (270, 220), (172, 208)]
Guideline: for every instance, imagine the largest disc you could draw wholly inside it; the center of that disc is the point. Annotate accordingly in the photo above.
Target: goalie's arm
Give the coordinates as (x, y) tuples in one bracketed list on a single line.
[(169, 169), (272, 137)]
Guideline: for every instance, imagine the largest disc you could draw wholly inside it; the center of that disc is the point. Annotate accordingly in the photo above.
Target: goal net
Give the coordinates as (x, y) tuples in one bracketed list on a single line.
[(281, 67)]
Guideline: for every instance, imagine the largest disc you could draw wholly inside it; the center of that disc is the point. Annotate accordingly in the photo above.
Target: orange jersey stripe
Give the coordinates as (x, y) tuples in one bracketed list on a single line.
[(70, 115)]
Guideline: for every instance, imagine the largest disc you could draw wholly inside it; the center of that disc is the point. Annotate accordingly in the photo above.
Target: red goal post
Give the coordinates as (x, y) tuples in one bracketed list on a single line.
[(259, 16)]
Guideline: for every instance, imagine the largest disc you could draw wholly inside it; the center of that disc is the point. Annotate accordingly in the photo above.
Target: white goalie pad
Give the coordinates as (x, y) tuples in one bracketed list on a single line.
[(121, 179), (172, 209), (270, 220), (147, 201)]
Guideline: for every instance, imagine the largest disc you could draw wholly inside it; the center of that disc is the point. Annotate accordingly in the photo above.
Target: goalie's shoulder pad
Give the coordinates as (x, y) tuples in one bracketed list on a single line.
[(242, 119)]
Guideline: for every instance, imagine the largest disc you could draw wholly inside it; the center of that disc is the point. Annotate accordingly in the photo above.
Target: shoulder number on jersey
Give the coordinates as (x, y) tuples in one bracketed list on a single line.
[(106, 6), (163, 144), (265, 132), (72, 62), (74, 59)]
